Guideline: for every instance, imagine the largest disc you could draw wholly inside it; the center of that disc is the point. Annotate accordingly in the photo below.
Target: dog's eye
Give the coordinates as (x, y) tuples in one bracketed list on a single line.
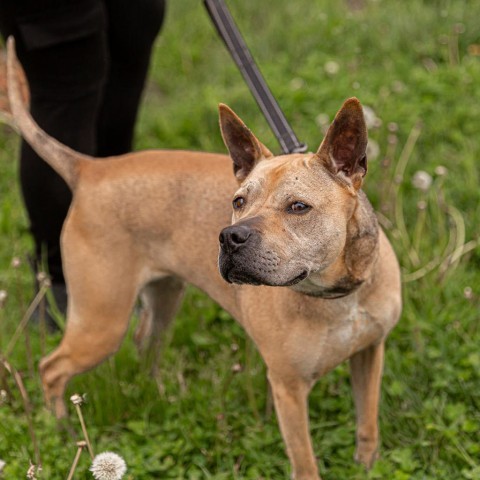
[(298, 207), (238, 202)]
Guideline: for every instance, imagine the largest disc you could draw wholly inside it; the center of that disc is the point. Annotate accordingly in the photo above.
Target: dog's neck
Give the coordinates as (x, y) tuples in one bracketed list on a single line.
[(354, 266)]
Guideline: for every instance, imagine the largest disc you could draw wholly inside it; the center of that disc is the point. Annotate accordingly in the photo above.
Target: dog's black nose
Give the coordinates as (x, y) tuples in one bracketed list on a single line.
[(232, 238)]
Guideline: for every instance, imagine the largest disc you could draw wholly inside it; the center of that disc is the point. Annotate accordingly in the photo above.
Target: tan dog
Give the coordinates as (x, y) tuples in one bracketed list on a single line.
[(146, 222)]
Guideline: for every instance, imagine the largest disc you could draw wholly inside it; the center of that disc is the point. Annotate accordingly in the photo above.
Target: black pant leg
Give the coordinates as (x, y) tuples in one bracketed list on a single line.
[(133, 27), (62, 47)]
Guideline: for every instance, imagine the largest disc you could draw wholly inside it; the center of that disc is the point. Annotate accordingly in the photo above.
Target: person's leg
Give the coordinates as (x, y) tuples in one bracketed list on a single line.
[(133, 27), (62, 47)]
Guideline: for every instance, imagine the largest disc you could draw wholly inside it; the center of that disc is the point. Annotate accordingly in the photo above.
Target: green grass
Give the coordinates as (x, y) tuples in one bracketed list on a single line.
[(409, 62)]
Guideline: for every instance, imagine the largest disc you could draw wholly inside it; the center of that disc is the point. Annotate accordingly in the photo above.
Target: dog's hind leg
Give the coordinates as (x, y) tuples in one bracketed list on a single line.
[(161, 299), (102, 291), (366, 371)]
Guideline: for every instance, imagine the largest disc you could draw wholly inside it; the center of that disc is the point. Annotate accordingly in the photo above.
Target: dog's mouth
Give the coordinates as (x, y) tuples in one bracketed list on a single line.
[(297, 279), (241, 277)]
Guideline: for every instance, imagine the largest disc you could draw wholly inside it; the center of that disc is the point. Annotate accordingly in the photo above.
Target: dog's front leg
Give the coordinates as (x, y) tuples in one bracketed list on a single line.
[(366, 371), (290, 397)]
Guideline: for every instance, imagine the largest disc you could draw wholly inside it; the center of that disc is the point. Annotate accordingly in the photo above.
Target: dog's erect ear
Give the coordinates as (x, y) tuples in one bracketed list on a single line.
[(345, 145), (244, 148)]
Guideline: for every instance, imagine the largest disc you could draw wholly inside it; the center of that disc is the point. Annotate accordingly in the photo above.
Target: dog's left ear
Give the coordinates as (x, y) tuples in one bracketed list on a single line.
[(244, 148), (344, 148)]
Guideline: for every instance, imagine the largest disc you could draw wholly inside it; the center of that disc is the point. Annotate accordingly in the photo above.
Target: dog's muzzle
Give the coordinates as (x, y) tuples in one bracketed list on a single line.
[(243, 260)]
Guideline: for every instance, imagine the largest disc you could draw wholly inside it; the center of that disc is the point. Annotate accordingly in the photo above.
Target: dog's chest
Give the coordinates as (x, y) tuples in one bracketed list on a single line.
[(319, 344)]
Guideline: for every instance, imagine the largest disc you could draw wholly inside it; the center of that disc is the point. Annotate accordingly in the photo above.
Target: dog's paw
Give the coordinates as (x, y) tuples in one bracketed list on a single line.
[(367, 453)]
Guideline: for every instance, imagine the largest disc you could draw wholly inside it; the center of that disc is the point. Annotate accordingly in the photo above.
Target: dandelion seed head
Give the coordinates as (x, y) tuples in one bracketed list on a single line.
[(237, 368), (108, 466), (3, 397), (371, 118), (16, 262), (332, 67), (3, 297), (422, 180), (322, 119), (392, 127), (373, 150), (2, 465), (76, 399), (44, 280), (392, 139), (468, 293), (297, 83), (41, 276), (441, 171)]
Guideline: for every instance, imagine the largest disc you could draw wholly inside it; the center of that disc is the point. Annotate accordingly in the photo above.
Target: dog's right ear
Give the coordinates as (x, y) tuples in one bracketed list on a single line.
[(244, 147)]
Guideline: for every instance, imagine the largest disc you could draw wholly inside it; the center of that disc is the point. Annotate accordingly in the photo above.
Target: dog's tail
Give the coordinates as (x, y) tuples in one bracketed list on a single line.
[(5, 110), (65, 161)]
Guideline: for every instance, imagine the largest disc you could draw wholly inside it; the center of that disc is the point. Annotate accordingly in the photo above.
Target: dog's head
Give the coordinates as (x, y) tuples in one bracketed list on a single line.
[(291, 212)]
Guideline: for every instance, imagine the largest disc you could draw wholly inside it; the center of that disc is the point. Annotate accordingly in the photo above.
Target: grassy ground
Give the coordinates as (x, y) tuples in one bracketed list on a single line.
[(414, 64)]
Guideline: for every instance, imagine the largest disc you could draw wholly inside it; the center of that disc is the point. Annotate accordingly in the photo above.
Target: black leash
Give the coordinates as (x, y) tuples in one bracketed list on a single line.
[(231, 36)]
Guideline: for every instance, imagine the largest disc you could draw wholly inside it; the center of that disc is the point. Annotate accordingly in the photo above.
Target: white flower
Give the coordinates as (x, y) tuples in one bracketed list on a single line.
[(108, 466), (2, 465), (422, 180)]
